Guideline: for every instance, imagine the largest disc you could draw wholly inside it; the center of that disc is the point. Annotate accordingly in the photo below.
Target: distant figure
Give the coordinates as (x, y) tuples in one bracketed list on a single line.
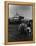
[(28, 31), (22, 27), (22, 30)]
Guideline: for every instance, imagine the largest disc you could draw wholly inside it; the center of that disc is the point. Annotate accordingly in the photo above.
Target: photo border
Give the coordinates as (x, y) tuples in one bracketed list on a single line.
[(6, 20)]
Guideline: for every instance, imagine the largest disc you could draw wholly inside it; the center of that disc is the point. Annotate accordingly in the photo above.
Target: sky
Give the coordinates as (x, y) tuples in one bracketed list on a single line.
[(16, 10)]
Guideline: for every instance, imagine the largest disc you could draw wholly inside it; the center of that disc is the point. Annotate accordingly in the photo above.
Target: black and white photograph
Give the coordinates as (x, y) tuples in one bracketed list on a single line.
[(20, 23)]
